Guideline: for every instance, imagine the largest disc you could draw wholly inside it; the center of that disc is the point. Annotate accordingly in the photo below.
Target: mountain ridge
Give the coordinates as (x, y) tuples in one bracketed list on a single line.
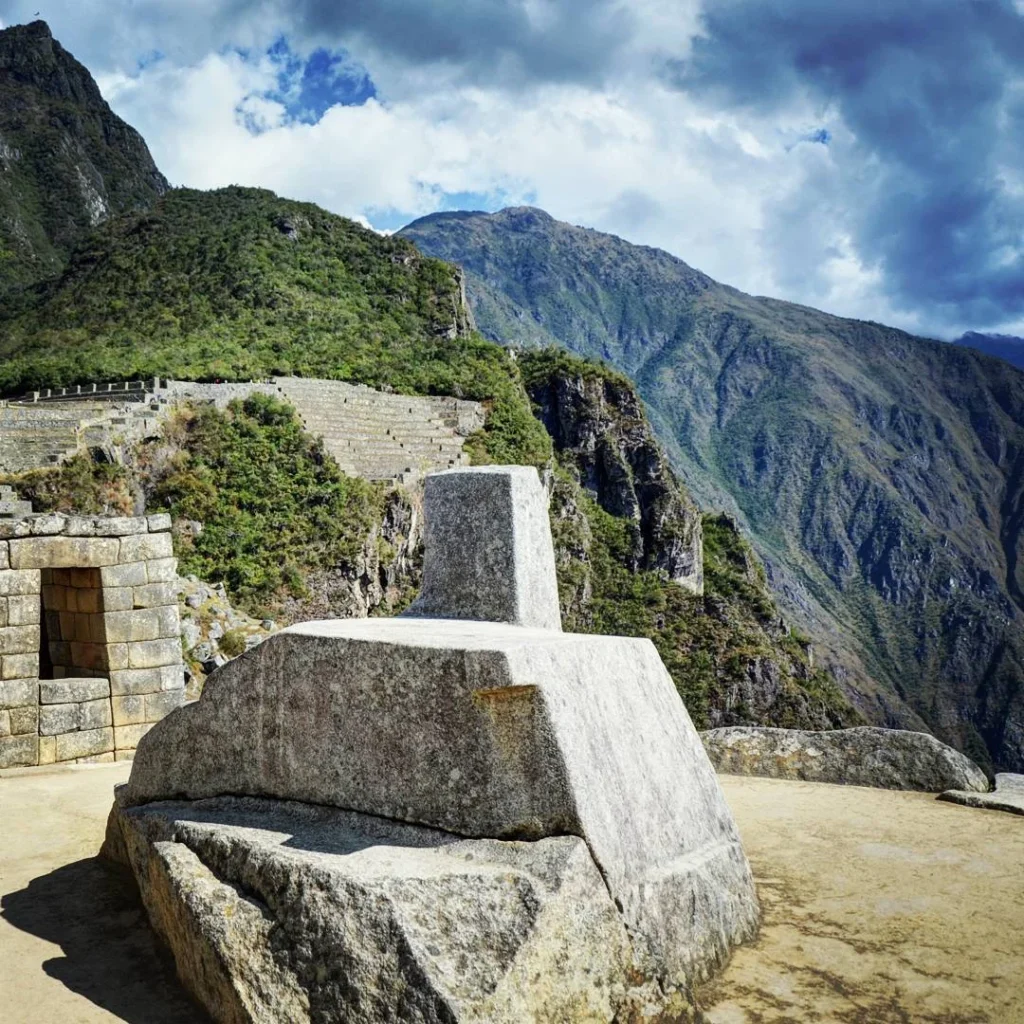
[(880, 474)]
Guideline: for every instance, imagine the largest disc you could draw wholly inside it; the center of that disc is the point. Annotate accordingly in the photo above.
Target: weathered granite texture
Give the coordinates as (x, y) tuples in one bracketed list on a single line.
[(1008, 795), (487, 548), (484, 730), (280, 911), (884, 758)]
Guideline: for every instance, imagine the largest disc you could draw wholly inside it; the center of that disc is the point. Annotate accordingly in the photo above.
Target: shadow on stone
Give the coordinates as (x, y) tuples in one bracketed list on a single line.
[(111, 957)]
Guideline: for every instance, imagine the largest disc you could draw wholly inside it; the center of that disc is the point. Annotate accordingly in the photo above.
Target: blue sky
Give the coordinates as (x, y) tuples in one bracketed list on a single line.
[(864, 158)]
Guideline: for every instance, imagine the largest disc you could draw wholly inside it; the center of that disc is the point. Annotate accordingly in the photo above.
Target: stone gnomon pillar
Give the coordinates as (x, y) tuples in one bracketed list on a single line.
[(473, 713)]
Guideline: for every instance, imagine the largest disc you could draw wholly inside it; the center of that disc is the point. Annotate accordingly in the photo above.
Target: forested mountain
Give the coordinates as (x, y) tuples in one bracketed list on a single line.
[(67, 162), (881, 475)]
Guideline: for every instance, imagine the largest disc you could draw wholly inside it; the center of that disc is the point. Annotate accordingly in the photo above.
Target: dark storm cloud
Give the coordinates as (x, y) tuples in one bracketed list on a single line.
[(932, 92)]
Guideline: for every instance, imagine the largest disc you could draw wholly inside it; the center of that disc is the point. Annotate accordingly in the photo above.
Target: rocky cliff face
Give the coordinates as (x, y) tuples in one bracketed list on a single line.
[(67, 162), (880, 475), (597, 423)]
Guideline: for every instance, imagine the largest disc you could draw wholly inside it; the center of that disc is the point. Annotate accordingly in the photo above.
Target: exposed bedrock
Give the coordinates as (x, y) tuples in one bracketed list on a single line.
[(883, 758)]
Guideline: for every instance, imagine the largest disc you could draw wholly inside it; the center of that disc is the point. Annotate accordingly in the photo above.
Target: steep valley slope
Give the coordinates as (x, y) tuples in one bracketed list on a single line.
[(881, 475)]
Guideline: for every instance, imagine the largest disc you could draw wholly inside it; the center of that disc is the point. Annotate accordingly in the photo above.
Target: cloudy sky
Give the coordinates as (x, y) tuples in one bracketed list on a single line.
[(862, 156)]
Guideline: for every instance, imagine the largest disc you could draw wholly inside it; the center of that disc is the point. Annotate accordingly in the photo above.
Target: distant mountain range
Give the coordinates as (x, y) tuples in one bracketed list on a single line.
[(880, 474), (1004, 346)]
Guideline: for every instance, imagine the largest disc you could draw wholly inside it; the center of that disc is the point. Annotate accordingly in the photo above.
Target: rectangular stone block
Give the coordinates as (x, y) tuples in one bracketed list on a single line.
[(47, 749), (19, 666), (90, 656), (84, 579), (23, 610), (141, 624), (89, 600), (4, 558), (124, 682), (118, 599), (19, 751), (124, 755), (155, 595), (19, 581), (145, 546), (162, 570), (72, 691), (154, 653), (73, 745), (132, 574), (126, 737), (58, 718), (3, 611), (106, 758), (95, 714), (24, 720), (168, 622), (172, 677), (104, 526), (159, 521), (66, 552), (160, 705), (19, 639), (129, 709), (117, 656), (5, 723)]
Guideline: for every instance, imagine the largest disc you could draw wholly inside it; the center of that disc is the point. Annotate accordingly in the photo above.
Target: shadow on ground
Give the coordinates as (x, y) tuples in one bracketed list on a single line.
[(111, 957)]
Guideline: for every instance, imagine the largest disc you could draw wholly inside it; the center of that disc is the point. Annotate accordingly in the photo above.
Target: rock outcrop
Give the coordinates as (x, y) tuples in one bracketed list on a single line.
[(883, 758), (1008, 795), (280, 911), (598, 426), (67, 161), (534, 744)]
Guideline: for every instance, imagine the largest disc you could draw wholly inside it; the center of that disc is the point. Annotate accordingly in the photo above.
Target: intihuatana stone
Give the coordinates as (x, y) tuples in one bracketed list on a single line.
[(487, 548), (866, 756), (509, 736)]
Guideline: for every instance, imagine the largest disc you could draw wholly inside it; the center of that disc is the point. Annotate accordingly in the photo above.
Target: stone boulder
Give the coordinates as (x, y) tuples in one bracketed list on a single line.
[(279, 911), (866, 756), (1008, 795)]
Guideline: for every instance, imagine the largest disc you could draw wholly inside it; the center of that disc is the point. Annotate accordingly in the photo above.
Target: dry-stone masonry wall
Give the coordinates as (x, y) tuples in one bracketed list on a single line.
[(90, 648), (370, 433)]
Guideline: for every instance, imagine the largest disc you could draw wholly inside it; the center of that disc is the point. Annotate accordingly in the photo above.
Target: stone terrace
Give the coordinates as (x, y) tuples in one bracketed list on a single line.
[(373, 434)]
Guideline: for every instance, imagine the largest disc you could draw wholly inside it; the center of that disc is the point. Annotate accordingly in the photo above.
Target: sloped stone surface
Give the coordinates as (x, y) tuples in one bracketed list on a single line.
[(884, 758), (281, 911)]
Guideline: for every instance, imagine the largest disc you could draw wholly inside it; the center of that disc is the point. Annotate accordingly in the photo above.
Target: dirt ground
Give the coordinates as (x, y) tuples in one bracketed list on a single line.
[(878, 907)]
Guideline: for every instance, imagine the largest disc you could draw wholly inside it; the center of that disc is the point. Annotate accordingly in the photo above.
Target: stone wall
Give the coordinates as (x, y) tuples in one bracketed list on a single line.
[(90, 637)]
